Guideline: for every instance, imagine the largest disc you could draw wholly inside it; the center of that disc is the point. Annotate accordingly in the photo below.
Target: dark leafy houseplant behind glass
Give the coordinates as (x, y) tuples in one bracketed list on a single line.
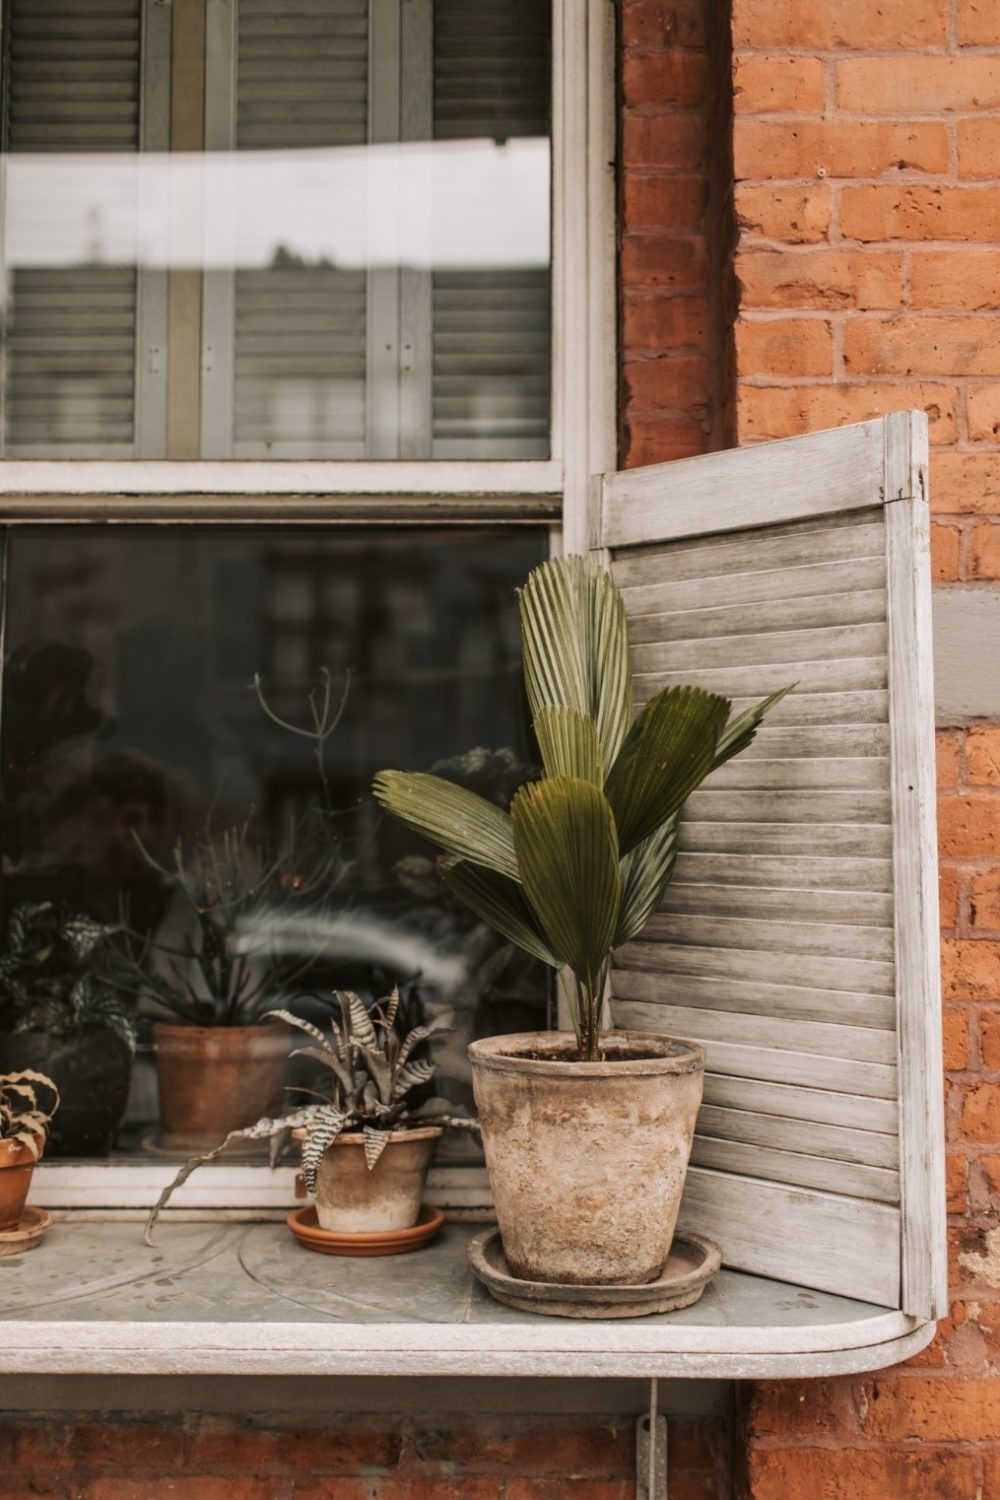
[(583, 857), (56, 975)]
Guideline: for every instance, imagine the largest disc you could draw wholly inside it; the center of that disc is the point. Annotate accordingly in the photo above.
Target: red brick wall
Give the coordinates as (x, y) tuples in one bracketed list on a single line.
[(867, 164), (404, 1458)]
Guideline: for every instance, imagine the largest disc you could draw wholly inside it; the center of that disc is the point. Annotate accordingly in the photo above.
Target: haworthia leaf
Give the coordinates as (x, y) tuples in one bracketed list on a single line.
[(669, 751), (567, 848), (500, 903), (458, 821)]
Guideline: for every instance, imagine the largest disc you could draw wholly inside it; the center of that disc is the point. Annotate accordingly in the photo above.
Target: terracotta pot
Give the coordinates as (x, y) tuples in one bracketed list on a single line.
[(16, 1167), (353, 1200), (214, 1079), (587, 1160), (91, 1069)]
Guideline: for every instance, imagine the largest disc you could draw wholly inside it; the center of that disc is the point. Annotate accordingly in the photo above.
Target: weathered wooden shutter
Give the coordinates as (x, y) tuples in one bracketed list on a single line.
[(285, 344), (490, 354), (72, 85), (799, 937)]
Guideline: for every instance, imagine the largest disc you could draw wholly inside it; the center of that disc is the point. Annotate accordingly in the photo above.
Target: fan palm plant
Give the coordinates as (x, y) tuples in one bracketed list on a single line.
[(583, 857)]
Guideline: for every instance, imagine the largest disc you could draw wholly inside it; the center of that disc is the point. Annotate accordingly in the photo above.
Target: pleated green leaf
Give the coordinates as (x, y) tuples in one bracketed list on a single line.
[(458, 821), (500, 903), (646, 873), (567, 848), (670, 749), (740, 730), (569, 744), (575, 646)]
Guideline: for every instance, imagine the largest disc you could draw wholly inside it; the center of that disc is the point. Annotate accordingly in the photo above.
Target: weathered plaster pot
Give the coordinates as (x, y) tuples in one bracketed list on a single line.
[(587, 1160), (353, 1200), (214, 1079), (16, 1166)]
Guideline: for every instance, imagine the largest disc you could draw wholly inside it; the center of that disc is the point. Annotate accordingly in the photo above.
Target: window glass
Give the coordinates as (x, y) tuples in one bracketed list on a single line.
[(303, 229), (137, 753)]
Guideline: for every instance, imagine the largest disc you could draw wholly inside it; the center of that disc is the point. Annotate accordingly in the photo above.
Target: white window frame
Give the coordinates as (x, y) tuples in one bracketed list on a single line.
[(557, 492)]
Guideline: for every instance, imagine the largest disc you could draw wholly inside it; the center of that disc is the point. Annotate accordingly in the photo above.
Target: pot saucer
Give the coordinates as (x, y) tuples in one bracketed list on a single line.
[(28, 1234), (691, 1264), (305, 1226)]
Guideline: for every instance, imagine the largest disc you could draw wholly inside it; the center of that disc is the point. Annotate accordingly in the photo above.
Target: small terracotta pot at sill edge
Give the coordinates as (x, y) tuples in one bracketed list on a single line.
[(350, 1199), (214, 1079), (16, 1167)]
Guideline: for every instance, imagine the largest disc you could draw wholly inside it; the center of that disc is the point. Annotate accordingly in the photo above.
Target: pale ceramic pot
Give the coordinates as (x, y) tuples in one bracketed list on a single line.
[(587, 1160), (215, 1079), (16, 1166), (350, 1199)]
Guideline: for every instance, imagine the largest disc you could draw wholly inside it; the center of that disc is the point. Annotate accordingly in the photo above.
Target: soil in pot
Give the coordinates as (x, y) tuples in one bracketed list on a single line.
[(91, 1070), (16, 1167), (587, 1160), (214, 1079), (353, 1200)]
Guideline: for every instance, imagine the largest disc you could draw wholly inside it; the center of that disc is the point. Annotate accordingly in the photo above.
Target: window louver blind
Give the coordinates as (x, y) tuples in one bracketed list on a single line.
[(490, 396), (70, 332), (299, 348), (798, 940)]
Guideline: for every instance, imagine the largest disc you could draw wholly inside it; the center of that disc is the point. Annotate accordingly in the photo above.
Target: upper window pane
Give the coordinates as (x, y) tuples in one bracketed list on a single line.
[(277, 229)]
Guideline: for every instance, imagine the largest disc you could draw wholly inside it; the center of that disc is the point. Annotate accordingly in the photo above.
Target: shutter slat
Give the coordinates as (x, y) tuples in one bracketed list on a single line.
[(813, 1172), (789, 1103), (823, 971), (787, 1005), (830, 938), (808, 873), (823, 905), (864, 841)]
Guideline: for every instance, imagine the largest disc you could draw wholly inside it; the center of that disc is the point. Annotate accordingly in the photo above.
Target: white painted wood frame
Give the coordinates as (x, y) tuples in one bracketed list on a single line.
[(799, 940)]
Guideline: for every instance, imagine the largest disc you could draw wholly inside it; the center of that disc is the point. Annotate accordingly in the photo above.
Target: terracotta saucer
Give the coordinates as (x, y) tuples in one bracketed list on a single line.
[(305, 1226), (690, 1266), (28, 1234)]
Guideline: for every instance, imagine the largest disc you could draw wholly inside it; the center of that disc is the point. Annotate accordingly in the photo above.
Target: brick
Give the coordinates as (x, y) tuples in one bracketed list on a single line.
[(983, 409), (665, 140), (674, 78), (183, 1487), (990, 1168), (784, 1409), (984, 899), (970, 969), (956, 1039), (948, 897), (948, 756), (918, 85), (837, 148), (892, 24), (248, 1446), (653, 25), (965, 280), (765, 83), (981, 1113), (129, 1445), (672, 382), (965, 483), (652, 200), (819, 278), (927, 344), (968, 825), (797, 215), (933, 1410), (557, 1489), (782, 412), (551, 1448), (915, 211), (863, 1474), (784, 346), (946, 547), (984, 551), (660, 323), (659, 260), (956, 1184), (989, 1039), (982, 749), (659, 440), (381, 1487), (978, 147), (978, 23)]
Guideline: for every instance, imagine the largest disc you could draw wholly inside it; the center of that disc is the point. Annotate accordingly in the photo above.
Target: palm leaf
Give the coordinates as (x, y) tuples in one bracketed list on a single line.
[(740, 731), (499, 903), (567, 847), (569, 744), (458, 821), (669, 751), (575, 646), (646, 873)]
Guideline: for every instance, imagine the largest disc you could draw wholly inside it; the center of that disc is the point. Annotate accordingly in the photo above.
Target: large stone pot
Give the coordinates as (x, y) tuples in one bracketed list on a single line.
[(587, 1160), (91, 1069), (215, 1079)]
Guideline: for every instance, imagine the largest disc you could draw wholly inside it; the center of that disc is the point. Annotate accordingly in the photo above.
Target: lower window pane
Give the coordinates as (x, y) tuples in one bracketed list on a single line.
[(235, 850)]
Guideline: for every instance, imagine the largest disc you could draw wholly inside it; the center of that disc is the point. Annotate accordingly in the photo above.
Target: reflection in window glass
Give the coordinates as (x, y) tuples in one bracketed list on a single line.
[(136, 750), (235, 229)]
